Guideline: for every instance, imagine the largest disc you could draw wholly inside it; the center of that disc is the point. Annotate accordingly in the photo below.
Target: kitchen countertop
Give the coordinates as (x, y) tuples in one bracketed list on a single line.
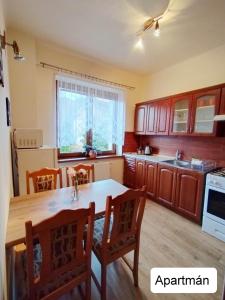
[(154, 157), (164, 158)]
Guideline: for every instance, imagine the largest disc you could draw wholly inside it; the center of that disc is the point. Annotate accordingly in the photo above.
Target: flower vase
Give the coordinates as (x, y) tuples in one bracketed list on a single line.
[(75, 192)]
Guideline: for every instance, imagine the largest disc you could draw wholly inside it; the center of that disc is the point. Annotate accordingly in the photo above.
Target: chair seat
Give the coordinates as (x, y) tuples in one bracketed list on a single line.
[(97, 238), (21, 273)]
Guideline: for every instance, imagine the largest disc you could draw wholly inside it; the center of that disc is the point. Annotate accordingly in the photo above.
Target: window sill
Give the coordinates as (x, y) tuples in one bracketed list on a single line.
[(75, 159)]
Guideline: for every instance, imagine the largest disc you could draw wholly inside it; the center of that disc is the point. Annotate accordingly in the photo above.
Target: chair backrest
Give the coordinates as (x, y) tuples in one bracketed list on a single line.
[(44, 179), (127, 212), (63, 251), (85, 174)]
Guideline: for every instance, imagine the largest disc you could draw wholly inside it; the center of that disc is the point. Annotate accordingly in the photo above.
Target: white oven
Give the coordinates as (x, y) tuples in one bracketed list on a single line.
[(214, 205)]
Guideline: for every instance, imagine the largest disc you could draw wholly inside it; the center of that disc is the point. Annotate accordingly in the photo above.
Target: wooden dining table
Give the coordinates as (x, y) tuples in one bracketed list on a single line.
[(39, 206)]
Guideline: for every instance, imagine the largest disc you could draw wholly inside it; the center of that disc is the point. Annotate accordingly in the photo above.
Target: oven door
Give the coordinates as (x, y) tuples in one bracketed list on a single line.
[(214, 204)]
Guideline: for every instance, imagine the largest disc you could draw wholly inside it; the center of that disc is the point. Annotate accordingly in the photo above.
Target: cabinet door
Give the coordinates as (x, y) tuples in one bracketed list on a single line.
[(129, 172), (189, 194), (205, 107), (151, 123), (140, 119), (163, 112), (180, 115), (150, 178), (140, 173), (222, 103), (166, 180)]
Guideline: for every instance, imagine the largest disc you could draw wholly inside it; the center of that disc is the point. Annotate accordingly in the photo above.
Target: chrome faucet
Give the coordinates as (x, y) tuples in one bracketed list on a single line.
[(178, 154)]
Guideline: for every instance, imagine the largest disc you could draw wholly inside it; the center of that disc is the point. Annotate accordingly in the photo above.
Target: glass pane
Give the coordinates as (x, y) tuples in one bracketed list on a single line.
[(103, 125), (72, 121), (180, 120), (216, 204), (205, 111)]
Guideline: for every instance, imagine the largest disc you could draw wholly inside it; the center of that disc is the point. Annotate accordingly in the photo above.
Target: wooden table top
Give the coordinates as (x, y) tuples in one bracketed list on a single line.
[(39, 206)]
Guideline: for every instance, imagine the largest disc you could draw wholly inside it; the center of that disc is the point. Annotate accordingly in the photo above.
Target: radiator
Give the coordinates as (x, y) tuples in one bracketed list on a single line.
[(102, 170)]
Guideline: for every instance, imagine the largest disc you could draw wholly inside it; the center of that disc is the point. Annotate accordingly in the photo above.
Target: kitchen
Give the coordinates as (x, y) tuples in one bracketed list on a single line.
[(151, 118)]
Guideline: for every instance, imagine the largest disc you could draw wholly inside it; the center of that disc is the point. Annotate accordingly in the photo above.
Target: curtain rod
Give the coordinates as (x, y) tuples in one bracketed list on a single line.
[(86, 76)]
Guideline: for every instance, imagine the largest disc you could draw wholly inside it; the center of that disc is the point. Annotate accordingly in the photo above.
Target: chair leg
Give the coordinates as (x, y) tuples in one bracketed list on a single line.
[(135, 268), (103, 281), (88, 289)]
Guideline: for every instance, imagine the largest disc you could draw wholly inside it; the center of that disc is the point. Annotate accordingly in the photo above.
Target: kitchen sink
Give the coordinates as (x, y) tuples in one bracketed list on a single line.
[(179, 163)]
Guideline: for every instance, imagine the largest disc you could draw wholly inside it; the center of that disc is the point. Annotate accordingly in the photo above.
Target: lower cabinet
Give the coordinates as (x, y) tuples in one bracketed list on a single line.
[(129, 172), (140, 173), (146, 175), (150, 178), (181, 190), (178, 189), (166, 180), (189, 194)]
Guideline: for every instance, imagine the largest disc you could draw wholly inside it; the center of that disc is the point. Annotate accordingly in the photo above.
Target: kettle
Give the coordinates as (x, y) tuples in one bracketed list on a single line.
[(148, 150)]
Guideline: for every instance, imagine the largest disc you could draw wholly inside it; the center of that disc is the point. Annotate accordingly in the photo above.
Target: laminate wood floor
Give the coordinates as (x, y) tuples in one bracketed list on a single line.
[(167, 240)]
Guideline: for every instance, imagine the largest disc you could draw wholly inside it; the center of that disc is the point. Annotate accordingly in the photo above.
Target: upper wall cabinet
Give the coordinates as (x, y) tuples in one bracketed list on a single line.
[(163, 112), (151, 122), (205, 107), (140, 119), (152, 118), (180, 115), (222, 103), (191, 113)]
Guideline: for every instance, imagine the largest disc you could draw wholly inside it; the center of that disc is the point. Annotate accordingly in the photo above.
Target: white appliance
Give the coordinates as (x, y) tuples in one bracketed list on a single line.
[(24, 138), (214, 204), (30, 160), (30, 155), (148, 150)]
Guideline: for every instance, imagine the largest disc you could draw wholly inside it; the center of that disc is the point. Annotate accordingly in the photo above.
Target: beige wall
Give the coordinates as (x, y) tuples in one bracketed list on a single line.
[(23, 83), (200, 71), (5, 164), (33, 93)]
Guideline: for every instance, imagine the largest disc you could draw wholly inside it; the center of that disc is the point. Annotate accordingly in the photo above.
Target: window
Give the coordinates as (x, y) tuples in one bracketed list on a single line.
[(88, 114)]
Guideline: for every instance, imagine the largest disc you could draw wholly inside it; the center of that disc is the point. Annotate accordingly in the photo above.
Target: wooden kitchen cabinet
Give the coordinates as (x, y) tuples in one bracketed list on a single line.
[(193, 113), (150, 178), (129, 171), (222, 103), (146, 172), (151, 122), (190, 114), (205, 105), (140, 173), (166, 184), (163, 116), (189, 193), (153, 118), (180, 115), (140, 118)]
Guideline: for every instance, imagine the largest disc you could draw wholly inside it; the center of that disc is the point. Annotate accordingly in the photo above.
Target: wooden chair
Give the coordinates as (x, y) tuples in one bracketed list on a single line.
[(82, 179), (64, 260), (44, 179), (119, 233)]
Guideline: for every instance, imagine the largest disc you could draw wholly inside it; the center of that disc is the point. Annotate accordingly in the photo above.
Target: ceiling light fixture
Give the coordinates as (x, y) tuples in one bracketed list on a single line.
[(139, 44), (14, 45), (157, 30), (150, 23)]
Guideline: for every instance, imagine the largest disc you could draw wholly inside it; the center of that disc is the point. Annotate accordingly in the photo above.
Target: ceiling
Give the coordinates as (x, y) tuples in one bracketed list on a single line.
[(106, 29)]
